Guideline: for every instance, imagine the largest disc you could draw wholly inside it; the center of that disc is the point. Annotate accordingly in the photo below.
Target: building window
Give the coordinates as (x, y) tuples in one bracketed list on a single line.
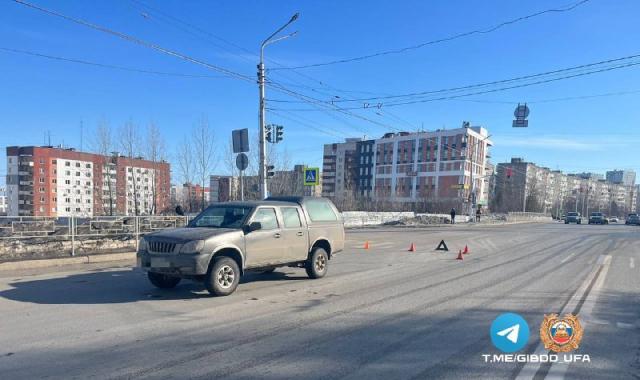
[(77, 164), (67, 182), (88, 166), (54, 161), (77, 174), (67, 163), (66, 172)]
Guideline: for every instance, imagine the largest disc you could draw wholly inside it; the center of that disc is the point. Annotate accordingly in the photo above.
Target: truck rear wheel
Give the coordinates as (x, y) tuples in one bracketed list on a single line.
[(318, 263), (222, 277), (163, 281)]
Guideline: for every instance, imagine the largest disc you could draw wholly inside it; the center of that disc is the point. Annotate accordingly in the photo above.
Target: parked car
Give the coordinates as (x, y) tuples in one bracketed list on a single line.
[(226, 240), (613, 219), (632, 219), (573, 217), (597, 218)]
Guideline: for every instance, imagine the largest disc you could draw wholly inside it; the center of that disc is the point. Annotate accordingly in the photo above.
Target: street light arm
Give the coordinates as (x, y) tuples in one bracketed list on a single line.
[(269, 42), (266, 41)]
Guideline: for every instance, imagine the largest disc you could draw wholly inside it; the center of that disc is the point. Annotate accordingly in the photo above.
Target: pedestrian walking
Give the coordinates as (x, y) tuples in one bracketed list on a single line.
[(453, 216), (478, 213)]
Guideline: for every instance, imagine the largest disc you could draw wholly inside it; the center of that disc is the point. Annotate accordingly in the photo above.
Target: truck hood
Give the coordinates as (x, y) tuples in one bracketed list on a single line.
[(187, 234)]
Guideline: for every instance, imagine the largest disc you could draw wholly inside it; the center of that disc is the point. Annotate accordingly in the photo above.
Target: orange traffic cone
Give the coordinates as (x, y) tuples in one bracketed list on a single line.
[(366, 245), (412, 248), (459, 255), (466, 250)]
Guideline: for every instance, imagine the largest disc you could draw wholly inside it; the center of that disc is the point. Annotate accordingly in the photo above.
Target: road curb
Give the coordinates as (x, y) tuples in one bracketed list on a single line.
[(86, 259)]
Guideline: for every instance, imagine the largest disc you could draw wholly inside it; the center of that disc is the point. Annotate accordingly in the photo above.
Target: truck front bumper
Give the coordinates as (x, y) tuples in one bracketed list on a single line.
[(175, 264)]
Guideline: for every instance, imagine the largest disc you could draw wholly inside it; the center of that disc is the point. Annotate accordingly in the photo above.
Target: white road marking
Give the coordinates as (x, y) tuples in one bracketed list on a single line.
[(567, 258), (558, 370), (632, 263), (623, 325)]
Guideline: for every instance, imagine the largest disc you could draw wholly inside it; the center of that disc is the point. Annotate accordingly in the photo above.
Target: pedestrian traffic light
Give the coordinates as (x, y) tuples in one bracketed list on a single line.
[(268, 133), (270, 171), (279, 133)]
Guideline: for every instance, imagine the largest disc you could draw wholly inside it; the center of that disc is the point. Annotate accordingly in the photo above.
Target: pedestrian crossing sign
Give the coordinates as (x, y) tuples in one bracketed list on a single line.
[(311, 176)]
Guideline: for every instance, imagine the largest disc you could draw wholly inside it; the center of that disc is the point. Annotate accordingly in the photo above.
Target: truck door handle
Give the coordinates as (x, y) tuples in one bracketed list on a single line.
[(276, 235), (300, 233)]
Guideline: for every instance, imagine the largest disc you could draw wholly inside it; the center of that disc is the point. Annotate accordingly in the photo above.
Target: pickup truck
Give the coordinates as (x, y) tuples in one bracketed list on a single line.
[(228, 239), (573, 217), (598, 218)]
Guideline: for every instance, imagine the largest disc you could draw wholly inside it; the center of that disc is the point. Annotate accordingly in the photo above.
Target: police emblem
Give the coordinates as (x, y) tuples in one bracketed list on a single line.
[(561, 334)]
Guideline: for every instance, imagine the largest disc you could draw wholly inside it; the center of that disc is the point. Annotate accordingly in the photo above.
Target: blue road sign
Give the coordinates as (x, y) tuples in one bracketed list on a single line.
[(311, 176)]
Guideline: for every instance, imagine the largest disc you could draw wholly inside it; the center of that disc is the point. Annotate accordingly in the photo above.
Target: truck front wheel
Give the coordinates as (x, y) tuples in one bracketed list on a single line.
[(317, 263), (222, 277), (163, 281)]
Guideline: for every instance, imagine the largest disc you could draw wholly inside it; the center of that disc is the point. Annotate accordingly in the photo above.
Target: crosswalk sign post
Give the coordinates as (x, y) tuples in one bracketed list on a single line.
[(311, 176)]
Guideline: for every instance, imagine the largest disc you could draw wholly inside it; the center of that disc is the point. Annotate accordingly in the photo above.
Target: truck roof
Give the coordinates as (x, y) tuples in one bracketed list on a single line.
[(254, 203)]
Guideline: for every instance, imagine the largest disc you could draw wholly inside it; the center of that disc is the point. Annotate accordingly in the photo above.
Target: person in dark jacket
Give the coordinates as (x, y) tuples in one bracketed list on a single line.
[(179, 210), (478, 213), (453, 216)]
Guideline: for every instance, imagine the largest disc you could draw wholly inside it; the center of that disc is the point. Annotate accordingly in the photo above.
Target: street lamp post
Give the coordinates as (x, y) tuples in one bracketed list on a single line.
[(264, 193)]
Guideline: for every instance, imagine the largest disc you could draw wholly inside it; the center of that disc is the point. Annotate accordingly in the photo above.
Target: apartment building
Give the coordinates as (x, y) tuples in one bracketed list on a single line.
[(623, 177), (3, 201), (525, 186), (190, 196), (442, 165), (49, 181)]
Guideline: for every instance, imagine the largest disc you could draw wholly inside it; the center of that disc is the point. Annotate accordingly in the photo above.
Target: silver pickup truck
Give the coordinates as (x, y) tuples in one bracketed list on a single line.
[(228, 239)]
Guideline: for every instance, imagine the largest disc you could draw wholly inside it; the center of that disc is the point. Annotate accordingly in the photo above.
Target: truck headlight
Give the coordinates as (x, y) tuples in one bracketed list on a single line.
[(193, 246), (143, 245)]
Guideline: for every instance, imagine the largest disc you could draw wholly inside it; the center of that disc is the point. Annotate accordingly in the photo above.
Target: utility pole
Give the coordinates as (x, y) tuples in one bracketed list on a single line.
[(262, 175)]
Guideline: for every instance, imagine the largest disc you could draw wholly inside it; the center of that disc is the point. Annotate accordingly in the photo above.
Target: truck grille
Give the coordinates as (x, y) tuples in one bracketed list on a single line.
[(161, 247)]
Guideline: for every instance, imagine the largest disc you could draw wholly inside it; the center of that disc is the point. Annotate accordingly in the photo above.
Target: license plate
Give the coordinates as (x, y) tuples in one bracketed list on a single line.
[(159, 263)]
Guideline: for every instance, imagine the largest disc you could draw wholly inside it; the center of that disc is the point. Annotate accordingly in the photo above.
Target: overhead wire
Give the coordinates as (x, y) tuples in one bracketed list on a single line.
[(304, 98), (437, 41), (106, 66), (499, 89)]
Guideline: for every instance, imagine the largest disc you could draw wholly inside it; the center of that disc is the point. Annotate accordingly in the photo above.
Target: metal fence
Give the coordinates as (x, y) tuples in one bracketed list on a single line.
[(79, 230)]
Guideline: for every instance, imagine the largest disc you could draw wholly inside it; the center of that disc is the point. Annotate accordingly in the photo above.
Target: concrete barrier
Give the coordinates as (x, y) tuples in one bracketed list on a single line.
[(364, 218)]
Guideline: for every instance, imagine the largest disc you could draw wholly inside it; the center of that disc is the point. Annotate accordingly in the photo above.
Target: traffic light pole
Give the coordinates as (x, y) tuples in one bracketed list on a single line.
[(262, 172), (262, 175)]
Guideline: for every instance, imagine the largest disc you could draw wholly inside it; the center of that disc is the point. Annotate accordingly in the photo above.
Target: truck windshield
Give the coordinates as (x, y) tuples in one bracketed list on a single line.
[(221, 217)]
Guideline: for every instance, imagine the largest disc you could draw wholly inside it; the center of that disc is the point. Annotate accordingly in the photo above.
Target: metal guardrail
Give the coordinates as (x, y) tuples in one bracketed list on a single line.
[(84, 228)]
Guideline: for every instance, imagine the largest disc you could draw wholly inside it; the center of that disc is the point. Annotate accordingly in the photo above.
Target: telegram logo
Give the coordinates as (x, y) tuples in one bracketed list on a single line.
[(509, 332)]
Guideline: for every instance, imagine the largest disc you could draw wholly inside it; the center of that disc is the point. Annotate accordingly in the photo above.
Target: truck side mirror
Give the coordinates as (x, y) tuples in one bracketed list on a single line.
[(253, 226)]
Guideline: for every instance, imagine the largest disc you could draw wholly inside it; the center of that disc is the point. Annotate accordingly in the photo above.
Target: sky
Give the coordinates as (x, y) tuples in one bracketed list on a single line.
[(582, 133)]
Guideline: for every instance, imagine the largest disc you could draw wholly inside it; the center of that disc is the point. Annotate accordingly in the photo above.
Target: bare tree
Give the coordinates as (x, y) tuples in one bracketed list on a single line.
[(186, 163), (130, 146), (204, 146), (103, 144), (156, 153)]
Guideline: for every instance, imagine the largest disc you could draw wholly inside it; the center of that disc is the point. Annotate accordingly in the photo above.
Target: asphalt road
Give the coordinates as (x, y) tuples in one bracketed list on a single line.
[(382, 313)]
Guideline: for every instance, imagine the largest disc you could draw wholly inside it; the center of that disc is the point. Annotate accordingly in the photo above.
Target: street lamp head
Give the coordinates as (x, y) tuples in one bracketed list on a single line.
[(294, 17)]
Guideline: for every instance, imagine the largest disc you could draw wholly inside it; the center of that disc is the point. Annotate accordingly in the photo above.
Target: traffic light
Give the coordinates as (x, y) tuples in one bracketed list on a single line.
[(270, 171), (268, 133), (279, 133)]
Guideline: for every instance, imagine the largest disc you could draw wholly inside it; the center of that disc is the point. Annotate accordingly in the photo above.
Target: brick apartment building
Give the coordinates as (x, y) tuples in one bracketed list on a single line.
[(49, 181), (442, 166)]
